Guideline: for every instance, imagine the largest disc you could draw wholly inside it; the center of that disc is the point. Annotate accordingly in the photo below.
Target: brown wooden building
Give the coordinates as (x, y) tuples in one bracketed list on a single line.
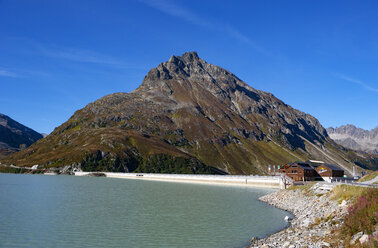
[(284, 167), (329, 171), (299, 171), (312, 170)]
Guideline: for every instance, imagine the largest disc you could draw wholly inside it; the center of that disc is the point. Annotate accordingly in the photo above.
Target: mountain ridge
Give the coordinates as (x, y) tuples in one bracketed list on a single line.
[(14, 136), (355, 138), (188, 110)]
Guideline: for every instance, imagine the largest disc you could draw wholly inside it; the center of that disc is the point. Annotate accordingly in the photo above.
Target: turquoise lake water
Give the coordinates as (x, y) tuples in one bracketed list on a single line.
[(68, 211)]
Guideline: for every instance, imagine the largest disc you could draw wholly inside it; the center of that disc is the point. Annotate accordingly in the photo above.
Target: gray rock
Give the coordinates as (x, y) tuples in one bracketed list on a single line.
[(288, 218), (253, 240), (326, 244), (364, 238), (306, 222), (356, 237)]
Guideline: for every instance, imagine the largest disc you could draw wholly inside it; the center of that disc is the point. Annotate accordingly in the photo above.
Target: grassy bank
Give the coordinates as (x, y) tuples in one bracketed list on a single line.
[(361, 217), (362, 214), (368, 177)]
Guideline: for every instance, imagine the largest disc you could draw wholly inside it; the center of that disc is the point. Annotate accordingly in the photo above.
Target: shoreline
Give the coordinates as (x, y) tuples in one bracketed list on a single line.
[(307, 228)]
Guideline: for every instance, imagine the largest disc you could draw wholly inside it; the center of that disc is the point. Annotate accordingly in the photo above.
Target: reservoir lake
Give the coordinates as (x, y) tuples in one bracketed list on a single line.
[(68, 211)]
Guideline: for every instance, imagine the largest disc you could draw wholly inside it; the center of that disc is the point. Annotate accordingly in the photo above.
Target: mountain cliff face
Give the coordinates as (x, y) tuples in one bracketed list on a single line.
[(355, 138), (187, 116), (15, 136)]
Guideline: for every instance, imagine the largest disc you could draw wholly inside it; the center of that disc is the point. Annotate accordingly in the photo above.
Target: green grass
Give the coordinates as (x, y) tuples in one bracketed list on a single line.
[(347, 192), (369, 177), (76, 127), (164, 163)]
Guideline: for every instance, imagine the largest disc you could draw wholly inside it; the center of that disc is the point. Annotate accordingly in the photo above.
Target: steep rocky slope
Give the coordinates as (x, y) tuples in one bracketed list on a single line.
[(355, 138), (187, 116), (15, 136)]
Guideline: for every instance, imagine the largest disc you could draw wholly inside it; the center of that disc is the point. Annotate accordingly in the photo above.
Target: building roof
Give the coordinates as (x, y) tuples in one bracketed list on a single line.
[(315, 161), (309, 166), (333, 167), (285, 166), (303, 165)]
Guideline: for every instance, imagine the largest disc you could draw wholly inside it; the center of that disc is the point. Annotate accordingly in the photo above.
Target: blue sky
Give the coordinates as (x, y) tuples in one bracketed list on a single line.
[(318, 56)]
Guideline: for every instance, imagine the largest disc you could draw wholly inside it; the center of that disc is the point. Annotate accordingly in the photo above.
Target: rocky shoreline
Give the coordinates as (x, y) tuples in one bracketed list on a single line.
[(316, 218)]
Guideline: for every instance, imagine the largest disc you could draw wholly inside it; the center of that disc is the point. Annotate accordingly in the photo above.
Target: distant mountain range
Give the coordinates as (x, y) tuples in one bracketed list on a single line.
[(355, 138), (15, 136), (188, 116)]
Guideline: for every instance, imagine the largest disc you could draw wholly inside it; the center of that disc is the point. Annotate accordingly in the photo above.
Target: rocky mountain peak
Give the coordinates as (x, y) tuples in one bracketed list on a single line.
[(350, 130), (355, 138), (188, 57), (188, 67)]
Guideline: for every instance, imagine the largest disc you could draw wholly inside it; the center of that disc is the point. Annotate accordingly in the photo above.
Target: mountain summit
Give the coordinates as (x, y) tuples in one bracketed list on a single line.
[(355, 138), (187, 116)]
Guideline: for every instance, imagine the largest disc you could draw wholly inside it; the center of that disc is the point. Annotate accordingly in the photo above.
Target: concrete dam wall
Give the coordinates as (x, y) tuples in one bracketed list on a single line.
[(253, 181)]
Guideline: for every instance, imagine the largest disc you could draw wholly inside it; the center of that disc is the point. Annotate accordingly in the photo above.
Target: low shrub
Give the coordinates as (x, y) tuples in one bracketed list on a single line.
[(363, 215)]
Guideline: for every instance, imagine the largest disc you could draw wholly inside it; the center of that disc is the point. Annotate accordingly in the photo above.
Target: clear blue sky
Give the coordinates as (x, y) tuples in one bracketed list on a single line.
[(318, 56)]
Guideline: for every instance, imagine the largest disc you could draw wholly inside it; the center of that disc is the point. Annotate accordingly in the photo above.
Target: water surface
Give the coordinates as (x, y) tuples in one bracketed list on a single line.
[(68, 211)]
